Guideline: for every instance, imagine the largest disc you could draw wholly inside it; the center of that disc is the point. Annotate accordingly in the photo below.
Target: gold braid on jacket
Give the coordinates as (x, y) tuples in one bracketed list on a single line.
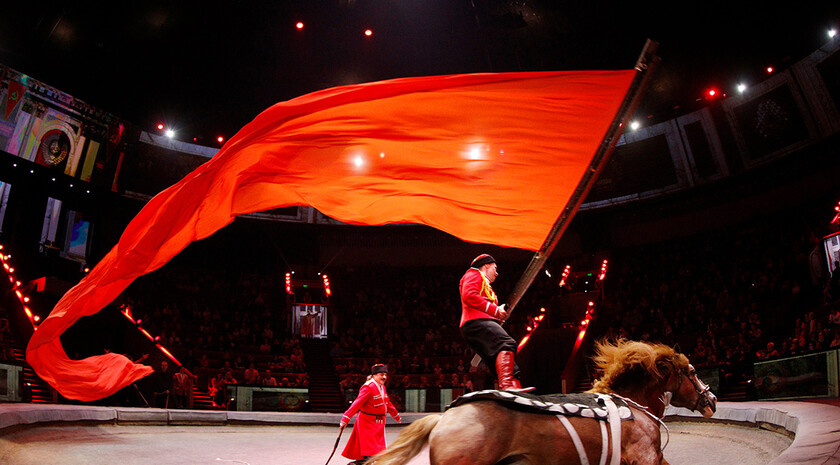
[(486, 290)]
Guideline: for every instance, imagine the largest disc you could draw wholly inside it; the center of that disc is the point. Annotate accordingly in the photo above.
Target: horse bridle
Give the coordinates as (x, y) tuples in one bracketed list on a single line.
[(702, 389)]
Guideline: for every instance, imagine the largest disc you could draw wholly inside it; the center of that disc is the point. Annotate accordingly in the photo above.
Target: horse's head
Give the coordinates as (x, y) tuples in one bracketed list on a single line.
[(651, 374), (688, 391)]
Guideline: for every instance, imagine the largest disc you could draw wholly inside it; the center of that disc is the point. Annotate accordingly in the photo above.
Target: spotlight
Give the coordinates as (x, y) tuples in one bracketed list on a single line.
[(368, 32), (832, 33), (742, 87), (220, 139), (299, 25), (160, 126), (170, 133)]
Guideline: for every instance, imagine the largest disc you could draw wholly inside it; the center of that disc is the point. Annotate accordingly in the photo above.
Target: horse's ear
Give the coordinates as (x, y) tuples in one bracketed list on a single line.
[(677, 348)]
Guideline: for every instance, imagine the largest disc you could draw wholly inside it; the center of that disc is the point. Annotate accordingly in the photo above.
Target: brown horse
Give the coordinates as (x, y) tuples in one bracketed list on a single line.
[(489, 433)]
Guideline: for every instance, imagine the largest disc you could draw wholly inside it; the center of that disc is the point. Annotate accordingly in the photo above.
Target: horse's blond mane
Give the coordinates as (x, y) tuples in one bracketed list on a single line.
[(631, 365)]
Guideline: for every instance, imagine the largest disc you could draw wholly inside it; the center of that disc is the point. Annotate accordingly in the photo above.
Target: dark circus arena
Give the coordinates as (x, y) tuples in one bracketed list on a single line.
[(438, 232)]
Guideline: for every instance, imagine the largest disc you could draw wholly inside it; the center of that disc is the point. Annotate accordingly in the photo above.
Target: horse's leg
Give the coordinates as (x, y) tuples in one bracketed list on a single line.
[(471, 434)]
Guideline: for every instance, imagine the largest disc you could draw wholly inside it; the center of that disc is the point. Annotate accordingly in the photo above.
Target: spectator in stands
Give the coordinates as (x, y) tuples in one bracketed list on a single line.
[(834, 316), (467, 383), (461, 368), (268, 379), (182, 388), (414, 366), (251, 375), (442, 381), (405, 383), (163, 385), (771, 350), (217, 389)]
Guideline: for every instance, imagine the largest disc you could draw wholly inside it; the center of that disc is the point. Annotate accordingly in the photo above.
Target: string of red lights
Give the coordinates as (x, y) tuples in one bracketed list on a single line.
[(16, 287), (534, 322)]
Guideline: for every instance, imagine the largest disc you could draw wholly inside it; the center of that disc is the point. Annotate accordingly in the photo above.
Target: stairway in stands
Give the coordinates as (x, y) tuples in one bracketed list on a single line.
[(203, 401), (35, 389), (324, 390)]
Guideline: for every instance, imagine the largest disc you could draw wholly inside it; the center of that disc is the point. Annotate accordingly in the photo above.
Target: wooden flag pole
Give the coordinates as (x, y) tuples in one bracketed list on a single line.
[(644, 66)]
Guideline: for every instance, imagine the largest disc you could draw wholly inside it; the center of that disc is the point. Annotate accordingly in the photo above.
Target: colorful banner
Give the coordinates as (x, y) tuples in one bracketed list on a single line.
[(489, 158)]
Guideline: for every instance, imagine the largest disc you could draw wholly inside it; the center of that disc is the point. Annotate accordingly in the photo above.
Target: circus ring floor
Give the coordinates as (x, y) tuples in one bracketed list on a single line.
[(741, 433)]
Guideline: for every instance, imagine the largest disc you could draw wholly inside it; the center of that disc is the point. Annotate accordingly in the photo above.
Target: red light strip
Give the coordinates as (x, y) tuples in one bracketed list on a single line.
[(126, 312), (523, 342), (566, 272), (535, 323), (146, 333), (16, 284), (168, 354), (327, 286)]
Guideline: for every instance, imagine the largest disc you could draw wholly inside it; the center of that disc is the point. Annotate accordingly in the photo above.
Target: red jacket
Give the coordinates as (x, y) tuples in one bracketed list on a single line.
[(368, 437), (478, 301)]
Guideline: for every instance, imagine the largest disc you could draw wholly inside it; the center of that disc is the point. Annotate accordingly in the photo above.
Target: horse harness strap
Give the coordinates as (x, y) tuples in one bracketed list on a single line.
[(575, 439), (605, 446), (615, 431)]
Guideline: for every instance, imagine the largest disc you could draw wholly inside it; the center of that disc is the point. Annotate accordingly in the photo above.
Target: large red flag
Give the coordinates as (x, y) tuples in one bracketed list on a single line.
[(489, 158)]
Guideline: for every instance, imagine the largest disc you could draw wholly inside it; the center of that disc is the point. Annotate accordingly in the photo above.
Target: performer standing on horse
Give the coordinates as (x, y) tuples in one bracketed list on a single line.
[(481, 323), (372, 403)]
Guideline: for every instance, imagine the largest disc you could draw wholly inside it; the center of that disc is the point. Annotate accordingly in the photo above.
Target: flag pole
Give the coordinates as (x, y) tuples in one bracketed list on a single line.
[(647, 60), (644, 66)]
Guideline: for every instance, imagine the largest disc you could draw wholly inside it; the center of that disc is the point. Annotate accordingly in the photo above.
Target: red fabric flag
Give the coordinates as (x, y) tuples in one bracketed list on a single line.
[(13, 96), (489, 158)]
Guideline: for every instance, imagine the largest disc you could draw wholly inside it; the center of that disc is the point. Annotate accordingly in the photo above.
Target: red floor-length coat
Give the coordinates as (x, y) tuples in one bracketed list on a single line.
[(368, 437)]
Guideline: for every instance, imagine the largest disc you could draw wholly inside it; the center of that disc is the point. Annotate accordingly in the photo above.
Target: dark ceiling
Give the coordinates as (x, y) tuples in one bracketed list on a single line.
[(207, 68)]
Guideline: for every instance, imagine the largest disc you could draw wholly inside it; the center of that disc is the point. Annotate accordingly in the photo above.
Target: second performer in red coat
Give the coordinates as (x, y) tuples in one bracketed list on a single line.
[(372, 404)]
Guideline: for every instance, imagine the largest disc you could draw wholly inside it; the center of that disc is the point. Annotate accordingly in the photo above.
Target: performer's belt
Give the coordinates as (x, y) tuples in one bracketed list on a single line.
[(379, 418)]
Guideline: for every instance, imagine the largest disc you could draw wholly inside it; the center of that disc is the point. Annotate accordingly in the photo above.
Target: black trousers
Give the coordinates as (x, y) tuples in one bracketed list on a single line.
[(487, 338)]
